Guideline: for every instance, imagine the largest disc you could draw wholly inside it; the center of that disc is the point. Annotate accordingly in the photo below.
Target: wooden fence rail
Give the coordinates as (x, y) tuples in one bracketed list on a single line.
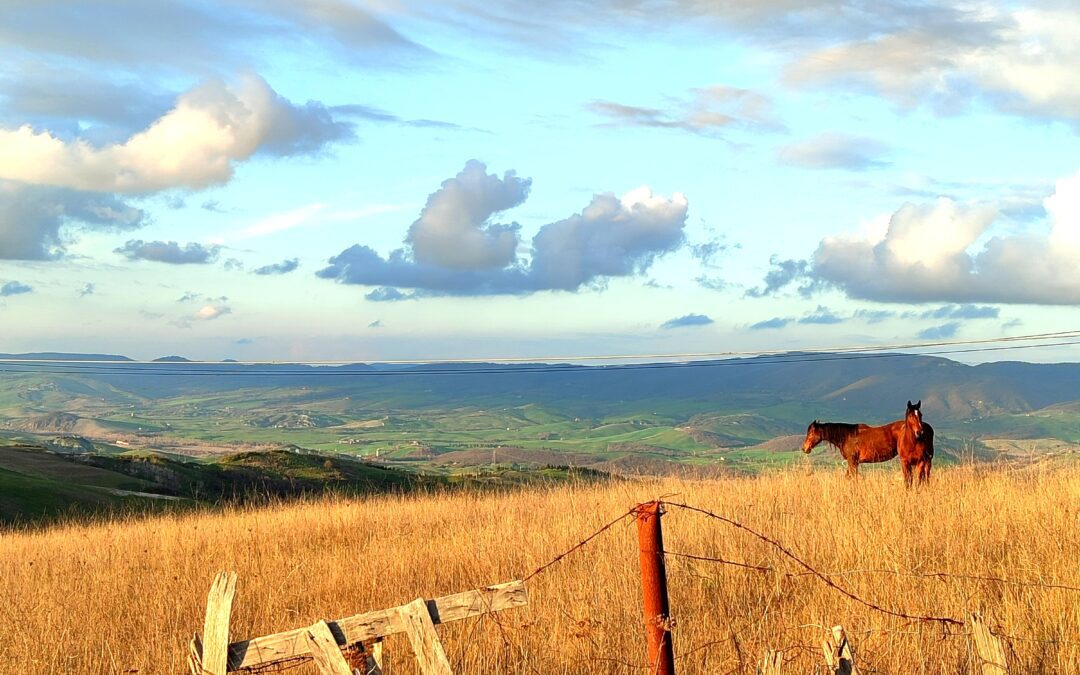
[(213, 654)]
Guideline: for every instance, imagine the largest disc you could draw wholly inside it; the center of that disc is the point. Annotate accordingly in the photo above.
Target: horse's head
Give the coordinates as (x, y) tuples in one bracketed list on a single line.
[(913, 419), (813, 437)]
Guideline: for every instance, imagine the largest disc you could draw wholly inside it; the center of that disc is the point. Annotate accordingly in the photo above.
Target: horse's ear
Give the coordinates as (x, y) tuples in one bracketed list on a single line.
[(919, 404)]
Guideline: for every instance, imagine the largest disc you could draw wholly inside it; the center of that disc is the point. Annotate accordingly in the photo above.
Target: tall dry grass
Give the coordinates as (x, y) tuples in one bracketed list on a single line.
[(125, 596)]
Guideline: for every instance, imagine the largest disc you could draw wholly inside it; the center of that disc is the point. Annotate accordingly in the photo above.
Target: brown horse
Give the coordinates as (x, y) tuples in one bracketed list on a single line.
[(915, 445), (910, 437), (857, 443)]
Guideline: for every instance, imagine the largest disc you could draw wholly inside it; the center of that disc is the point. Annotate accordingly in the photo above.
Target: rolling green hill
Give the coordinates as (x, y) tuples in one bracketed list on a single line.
[(149, 421)]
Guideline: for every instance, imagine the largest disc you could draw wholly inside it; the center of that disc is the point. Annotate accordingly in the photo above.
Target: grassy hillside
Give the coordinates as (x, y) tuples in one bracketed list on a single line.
[(719, 416), (140, 584), (40, 485)]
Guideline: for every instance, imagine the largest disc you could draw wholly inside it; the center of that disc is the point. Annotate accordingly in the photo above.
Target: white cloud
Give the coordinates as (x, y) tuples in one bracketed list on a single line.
[(709, 110), (211, 312), (610, 237), (1063, 208), (194, 145), (38, 222), (1022, 62), (835, 151), (934, 252), (453, 229)]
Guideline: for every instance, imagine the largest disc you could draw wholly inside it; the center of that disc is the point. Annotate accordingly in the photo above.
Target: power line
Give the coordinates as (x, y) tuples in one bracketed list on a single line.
[(60, 367), (1075, 333)]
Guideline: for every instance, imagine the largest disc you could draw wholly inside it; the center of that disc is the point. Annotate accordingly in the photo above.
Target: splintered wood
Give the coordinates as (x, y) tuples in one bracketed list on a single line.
[(325, 651), (988, 647), (215, 646), (423, 638), (324, 641), (839, 656)]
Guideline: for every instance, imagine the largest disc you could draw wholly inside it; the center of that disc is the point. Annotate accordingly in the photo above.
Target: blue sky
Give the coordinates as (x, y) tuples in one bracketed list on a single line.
[(389, 179)]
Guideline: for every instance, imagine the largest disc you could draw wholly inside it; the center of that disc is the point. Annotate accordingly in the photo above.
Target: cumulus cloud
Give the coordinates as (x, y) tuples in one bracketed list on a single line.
[(821, 315), (211, 312), (783, 273), (384, 294), (835, 151), (611, 237), (687, 320), (937, 252), (14, 288), (778, 322), (194, 145), (283, 267), (707, 111), (453, 229), (169, 252), (37, 223), (948, 251), (942, 332)]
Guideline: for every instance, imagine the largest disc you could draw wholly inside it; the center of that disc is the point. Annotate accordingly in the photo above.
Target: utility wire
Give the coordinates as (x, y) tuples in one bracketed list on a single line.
[(1075, 333), (229, 369)]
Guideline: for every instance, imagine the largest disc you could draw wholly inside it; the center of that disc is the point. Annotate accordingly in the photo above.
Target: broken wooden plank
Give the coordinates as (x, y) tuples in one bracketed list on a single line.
[(772, 664), (291, 645), (195, 655), (988, 647), (425, 642), (215, 651), (377, 654), (325, 651), (839, 655)]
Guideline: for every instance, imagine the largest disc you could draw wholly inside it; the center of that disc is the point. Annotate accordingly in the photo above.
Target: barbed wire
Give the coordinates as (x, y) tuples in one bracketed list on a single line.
[(944, 620), (578, 545), (923, 575), (809, 570)]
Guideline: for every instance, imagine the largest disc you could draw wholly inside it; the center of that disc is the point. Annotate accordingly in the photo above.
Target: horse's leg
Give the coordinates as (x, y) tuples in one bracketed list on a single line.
[(905, 466), (924, 471), (853, 467)]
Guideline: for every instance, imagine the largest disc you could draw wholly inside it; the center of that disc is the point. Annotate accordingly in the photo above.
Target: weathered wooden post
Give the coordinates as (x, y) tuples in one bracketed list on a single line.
[(988, 647), (839, 654), (210, 654), (772, 664), (654, 589)]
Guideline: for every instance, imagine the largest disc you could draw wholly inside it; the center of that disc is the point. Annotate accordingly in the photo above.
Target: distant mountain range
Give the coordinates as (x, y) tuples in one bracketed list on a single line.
[(874, 387)]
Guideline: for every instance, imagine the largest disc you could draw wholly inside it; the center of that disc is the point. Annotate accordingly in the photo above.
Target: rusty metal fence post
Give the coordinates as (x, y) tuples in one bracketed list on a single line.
[(654, 589)]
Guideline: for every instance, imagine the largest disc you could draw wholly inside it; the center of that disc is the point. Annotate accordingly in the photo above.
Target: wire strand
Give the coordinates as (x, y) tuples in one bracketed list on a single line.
[(565, 359), (227, 369)]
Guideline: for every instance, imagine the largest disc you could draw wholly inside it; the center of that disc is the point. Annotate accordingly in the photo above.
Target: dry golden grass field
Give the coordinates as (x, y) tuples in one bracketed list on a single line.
[(125, 596)]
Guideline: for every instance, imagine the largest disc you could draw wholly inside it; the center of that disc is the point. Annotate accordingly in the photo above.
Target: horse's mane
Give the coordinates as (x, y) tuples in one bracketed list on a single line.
[(837, 432)]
